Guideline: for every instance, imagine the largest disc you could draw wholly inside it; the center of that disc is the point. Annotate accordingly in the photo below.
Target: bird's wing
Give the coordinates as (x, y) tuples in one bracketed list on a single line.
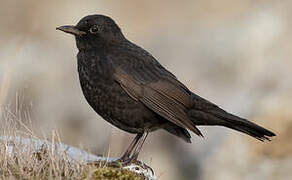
[(158, 89)]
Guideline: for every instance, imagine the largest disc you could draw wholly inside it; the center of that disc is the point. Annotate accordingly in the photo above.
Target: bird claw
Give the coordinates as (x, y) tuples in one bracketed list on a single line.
[(125, 161)]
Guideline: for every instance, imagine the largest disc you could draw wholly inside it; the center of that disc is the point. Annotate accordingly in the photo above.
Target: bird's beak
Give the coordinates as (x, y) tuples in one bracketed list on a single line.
[(71, 30)]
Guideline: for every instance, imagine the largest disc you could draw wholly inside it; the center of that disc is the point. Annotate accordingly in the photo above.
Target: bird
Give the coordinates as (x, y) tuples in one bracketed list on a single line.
[(131, 90)]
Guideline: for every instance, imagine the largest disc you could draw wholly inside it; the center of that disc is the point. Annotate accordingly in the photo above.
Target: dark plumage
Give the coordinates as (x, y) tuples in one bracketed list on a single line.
[(130, 89)]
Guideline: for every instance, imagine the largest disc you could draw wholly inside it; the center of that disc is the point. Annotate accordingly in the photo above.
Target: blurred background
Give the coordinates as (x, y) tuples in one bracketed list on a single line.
[(236, 53)]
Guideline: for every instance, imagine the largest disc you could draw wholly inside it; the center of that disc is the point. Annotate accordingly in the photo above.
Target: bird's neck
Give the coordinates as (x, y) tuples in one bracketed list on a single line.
[(95, 64), (89, 44)]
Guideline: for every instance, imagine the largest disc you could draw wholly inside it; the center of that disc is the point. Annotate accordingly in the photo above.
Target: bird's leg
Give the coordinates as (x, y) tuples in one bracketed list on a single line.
[(136, 145), (129, 156), (131, 148), (135, 155)]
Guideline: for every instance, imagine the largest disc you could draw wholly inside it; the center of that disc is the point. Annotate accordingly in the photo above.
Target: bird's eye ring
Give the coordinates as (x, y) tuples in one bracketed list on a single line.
[(94, 29)]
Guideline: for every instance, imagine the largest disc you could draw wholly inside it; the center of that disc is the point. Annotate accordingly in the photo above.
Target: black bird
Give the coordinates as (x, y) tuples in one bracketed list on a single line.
[(130, 89)]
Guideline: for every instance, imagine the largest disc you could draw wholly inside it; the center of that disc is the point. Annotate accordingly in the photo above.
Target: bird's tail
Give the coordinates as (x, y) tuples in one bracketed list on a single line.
[(217, 116)]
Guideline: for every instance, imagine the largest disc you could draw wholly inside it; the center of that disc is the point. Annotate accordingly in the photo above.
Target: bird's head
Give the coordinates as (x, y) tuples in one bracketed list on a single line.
[(94, 31)]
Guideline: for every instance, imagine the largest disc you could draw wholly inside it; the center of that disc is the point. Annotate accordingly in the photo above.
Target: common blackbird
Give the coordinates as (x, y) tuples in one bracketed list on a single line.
[(130, 89)]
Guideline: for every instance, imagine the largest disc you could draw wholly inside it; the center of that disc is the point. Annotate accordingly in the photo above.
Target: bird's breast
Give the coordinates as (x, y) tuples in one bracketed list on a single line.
[(107, 97), (95, 75), (102, 92)]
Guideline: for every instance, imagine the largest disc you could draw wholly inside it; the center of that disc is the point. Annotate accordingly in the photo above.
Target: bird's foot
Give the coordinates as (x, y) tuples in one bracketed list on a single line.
[(125, 161), (118, 163), (128, 163), (142, 165), (134, 164)]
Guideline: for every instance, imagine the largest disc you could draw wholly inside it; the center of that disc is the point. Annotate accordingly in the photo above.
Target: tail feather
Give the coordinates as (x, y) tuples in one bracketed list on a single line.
[(217, 116), (243, 125)]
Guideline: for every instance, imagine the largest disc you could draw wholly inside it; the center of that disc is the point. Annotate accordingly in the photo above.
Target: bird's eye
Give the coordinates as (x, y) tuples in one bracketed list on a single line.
[(94, 29)]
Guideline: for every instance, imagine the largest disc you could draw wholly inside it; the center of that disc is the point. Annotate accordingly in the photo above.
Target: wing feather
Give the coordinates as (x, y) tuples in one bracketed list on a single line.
[(163, 97)]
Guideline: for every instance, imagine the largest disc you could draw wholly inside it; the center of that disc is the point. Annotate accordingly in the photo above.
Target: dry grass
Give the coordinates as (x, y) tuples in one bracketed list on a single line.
[(43, 164), (26, 161), (31, 164)]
